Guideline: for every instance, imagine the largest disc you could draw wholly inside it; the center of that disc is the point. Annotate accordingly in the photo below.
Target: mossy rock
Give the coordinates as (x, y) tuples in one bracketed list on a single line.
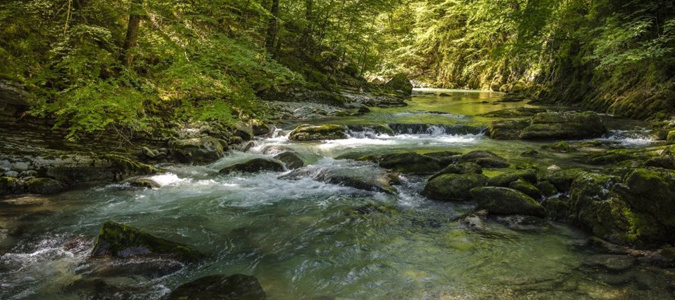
[(144, 183), (307, 132), (529, 153), (485, 159), (561, 147), (400, 82), (507, 129), (291, 159), (567, 125), (557, 209), (125, 167), (197, 149), (618, 213), (562, 179), (220, 287), (463, 168), (121, 241), (616, 156), (526, 188), (452, 187), (410, 163), (670, 139), (255, 165), (505, 179), (45, 186), (515, 112), (444, 157), (506, 201), (10, 185), (244, 131), (547, 188), (652, 191)]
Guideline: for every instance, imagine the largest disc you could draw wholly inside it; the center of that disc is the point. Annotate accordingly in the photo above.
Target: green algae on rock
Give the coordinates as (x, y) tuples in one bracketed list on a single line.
[(526, 188), (410, 163), (506, 201), (308, 132), (504, 179), (121, 241)]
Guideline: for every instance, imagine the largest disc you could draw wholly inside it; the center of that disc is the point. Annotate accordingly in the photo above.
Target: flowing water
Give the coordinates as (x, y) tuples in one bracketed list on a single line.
[(306, 239)]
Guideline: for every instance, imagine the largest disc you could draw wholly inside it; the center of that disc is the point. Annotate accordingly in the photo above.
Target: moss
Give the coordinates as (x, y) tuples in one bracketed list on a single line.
[(122, 241), (506, 201), (307, 132), (463, 168), (529, 153), (557, 209), (569, 125), (400, 82), (452, 187), (670, 139), (507, 129)]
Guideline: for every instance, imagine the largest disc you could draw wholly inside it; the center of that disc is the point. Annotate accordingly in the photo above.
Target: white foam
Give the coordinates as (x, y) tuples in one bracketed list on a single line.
[(168, 179)]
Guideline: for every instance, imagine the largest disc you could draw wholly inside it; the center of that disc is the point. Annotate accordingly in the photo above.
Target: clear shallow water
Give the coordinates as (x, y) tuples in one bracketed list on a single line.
[(305, 239)]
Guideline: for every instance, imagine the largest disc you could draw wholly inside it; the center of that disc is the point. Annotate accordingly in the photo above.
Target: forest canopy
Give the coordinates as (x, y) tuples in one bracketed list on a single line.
[(94, 64)]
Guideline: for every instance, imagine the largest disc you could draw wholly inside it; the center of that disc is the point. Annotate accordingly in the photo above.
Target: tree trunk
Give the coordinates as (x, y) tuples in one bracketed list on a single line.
[(135, 15), (272, 27)]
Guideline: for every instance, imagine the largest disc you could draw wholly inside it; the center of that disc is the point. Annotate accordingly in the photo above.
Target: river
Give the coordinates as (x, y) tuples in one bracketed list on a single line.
[(306, 239)]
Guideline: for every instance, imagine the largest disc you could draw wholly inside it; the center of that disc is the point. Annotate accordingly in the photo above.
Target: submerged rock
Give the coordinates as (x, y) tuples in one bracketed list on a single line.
[(452, 187), (121, 241), (255, 165), (485, 159), (506, 201), (611, 262), (307, 132), (217, 287)]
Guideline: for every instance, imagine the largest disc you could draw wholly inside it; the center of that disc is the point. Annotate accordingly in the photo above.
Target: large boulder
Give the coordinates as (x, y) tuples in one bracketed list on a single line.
[(121, 241), (254, 165), (485, 159), (410, 163), (506, 201), (549, 126), (562, 179), (567, 125), (307, 132), (367, 179), (401, 83), (196, 149), (452, 187), (220, 287)]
